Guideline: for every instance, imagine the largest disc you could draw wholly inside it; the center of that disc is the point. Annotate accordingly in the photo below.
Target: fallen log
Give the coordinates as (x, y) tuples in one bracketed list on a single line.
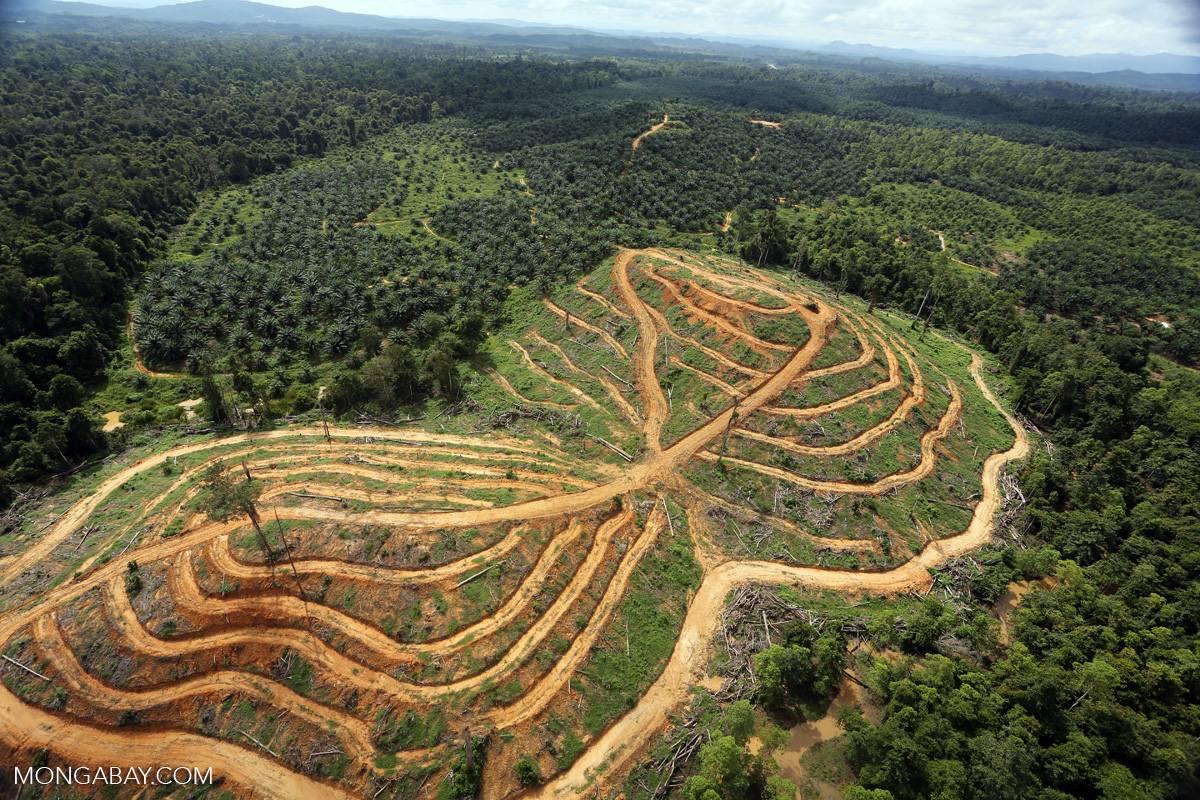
[(476, 575), (612, 447), (317, 496), (260, 744), (27, 669)]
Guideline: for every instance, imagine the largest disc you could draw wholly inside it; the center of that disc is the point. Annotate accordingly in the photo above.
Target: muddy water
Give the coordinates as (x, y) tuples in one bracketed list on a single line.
[(112, 420), (807, 734), (1006, 606), (188, 407)]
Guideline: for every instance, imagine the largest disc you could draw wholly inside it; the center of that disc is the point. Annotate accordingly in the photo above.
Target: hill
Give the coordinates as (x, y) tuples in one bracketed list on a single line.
[(672, 427), (388, 417), (1162, 71)]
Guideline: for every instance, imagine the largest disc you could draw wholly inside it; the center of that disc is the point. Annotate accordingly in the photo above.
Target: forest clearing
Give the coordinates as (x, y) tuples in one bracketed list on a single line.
[(384, 601), (549, 415)]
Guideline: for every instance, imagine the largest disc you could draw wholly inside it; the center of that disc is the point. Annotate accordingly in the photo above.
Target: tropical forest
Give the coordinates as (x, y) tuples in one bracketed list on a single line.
[(393, 417)]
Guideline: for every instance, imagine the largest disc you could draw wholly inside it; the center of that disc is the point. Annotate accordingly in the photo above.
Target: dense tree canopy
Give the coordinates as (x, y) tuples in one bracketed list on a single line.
[(1054, 225), (106, 144)]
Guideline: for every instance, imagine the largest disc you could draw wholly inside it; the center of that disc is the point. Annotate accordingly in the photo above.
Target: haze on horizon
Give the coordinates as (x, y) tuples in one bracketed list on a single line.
[(977, 27)]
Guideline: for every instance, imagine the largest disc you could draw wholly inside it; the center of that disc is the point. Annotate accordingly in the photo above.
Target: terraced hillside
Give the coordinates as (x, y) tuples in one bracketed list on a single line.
[(365, 612)]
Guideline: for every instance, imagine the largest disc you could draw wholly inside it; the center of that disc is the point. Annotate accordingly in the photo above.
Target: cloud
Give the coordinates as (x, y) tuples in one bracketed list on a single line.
[(983, 27), (1009, 26), (1191, 21)]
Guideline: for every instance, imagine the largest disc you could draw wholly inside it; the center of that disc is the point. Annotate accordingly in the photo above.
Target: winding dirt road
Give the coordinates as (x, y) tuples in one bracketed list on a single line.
[(638, 141), (612, 751), (138, 364), (606, 505)]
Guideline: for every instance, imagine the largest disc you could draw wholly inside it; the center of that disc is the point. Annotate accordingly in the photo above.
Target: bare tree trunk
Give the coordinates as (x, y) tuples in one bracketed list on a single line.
[(252, 512), (262, 537), (288, 548), (931, 310), (325, 423), (470, 753), (919, 310)]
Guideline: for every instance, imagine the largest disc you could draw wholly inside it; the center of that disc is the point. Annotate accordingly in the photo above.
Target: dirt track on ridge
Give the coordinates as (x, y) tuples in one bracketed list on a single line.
[(137, 356), (638, 141), (659, 469), (622, 740)]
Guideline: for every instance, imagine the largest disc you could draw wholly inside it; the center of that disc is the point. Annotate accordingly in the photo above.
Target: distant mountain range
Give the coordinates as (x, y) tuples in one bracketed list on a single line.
[(1041, 62), (1161, 71), (245, 12)]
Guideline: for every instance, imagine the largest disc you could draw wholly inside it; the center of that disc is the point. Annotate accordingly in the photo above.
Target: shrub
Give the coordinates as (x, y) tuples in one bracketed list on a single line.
[(528, 771)]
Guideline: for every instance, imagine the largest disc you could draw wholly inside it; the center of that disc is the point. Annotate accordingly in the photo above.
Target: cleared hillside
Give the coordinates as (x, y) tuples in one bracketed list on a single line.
[(669, 428)]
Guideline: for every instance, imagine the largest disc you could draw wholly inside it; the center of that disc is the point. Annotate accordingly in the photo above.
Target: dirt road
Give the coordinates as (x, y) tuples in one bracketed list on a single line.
[(137, 355), (611, 752), (279, 457), (638, 141), (28, 727)]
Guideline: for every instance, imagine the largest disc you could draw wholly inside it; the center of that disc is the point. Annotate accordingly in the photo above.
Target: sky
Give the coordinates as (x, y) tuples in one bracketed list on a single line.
[(978, 27)]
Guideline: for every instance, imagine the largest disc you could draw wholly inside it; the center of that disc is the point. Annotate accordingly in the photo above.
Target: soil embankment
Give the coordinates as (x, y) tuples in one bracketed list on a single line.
[(718, 310)]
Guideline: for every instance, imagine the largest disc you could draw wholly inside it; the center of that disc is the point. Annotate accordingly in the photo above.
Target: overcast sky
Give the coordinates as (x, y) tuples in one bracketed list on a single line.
[(981, 27)]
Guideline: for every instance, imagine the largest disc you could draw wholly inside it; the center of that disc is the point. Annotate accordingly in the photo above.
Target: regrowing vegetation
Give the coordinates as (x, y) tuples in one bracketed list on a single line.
[(501, 425), (365, 598)]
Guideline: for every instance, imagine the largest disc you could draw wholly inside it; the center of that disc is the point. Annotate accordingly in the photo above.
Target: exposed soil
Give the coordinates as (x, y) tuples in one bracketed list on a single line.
[(804, 736), (189, 408), (637, 142), (691, 651), (603, 334), (610, 388), (602, 517), (137, 356), (1006, 606)]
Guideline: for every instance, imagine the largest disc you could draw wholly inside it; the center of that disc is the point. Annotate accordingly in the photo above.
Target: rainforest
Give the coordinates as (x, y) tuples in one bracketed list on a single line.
[(386, 417)]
